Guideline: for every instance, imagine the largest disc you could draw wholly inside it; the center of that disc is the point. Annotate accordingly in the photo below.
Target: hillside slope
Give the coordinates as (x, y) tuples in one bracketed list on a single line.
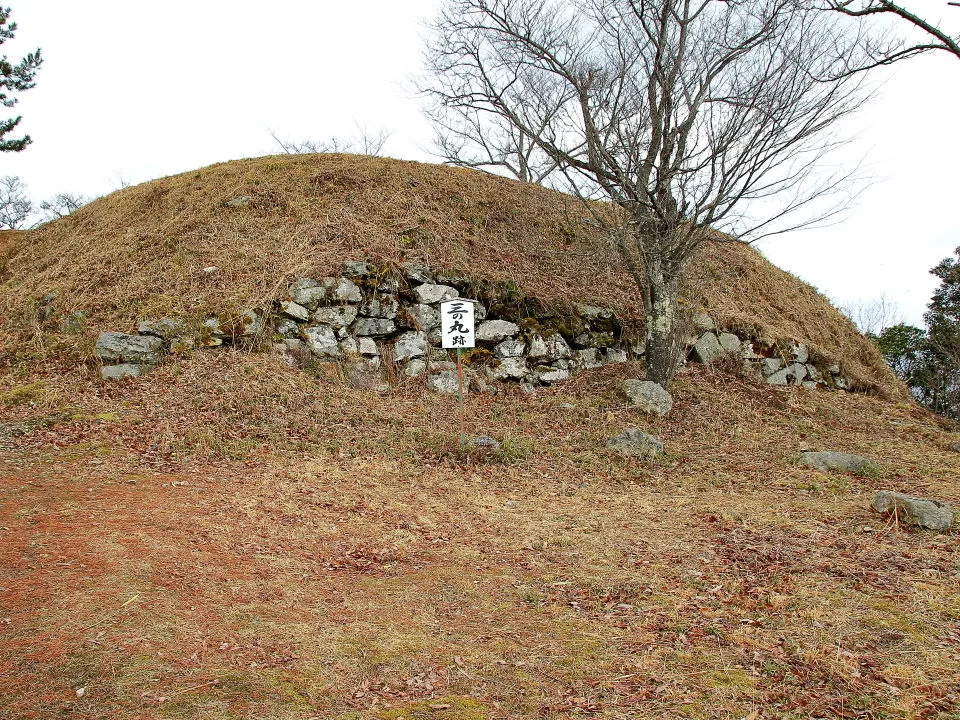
[(140, 251)]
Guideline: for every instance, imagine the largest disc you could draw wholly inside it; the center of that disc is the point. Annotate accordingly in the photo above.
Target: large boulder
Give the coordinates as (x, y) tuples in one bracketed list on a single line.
[(921, 512), (381, 306), (374, 327), (792, 374), (307, 293), (337, 316), (707, 348), (294, 310), (165, 328), (514, 368), (648, 396), (730, 343), (410, 344), (423, 317), (322, 341), (557, 347), (429, 293), (633, 442), (510, 348), (828, 460), (496, 330), (117, 348)]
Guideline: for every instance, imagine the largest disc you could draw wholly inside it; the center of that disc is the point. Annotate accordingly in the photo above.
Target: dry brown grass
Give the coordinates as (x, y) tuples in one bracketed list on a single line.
[(359, 571), (139, 252)]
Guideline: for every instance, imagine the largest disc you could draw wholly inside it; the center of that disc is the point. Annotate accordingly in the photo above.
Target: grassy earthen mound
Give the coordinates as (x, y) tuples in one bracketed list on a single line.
[(140, 252)]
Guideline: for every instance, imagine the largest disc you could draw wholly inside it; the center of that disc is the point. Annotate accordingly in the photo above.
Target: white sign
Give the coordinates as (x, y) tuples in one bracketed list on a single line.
[(456, 324)]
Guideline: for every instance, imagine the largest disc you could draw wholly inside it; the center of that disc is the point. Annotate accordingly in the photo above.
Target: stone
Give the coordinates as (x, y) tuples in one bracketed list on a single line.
[(336, 316), (322, 341), (479, 312), (538, 348), (484, 442), (615, 355), (374, 326), (912, 510), (294, 310), (423, 317), (349, 345), (706, 349), (357, 269), (410, 344), (703, 322), (729, 343), (587, 358), (813, 372), (510, 369), (770, 365), (549, 375), (799, 352), (496, 330), (633, 442), (417, 273), (165, 328), (592, 312), (307, 292), (415, 367), (251, 323), (381, 306), (510, 348), (240, 201), (556, 347), (793, 374), (828, 460), (120, 348), (446, 382), (368, 346), (119, 372), (841, 382), (562, 364), (428, 293), (287, 328), (808, 385), (648, 396), (343, 290), (639, 349)]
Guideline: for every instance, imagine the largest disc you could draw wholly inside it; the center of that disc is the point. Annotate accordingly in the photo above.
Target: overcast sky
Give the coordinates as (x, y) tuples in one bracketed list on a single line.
[(131, 91)]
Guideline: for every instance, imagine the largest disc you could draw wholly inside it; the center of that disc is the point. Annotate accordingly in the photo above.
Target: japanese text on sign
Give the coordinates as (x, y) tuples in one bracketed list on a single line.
[(456, 324)]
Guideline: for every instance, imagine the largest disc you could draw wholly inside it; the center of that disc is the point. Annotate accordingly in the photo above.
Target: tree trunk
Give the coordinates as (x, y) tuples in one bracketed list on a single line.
[(662, 347)]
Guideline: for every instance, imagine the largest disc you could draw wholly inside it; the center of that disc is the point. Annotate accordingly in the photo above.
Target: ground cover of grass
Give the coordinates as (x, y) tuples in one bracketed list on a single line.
[(326, 552)]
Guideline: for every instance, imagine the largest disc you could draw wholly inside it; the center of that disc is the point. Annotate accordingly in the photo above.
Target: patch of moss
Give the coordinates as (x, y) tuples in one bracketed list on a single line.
[(23, 394)]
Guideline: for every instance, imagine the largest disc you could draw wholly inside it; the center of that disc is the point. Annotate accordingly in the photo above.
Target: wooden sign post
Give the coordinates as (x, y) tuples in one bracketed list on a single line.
[(458, 332)]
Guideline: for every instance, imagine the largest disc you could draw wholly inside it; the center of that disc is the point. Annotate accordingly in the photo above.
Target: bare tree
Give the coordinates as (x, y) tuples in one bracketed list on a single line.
[(365, 142), (872, 317), (688, 116), (61, 205), (884, 52), (15, 207), (470, 137)]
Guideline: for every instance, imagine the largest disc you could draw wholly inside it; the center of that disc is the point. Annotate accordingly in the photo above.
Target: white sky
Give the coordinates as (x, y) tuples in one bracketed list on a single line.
[(131, 91)]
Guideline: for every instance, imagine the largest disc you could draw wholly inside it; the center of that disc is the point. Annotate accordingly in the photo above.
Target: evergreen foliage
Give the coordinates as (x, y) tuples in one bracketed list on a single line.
[(13, 79)]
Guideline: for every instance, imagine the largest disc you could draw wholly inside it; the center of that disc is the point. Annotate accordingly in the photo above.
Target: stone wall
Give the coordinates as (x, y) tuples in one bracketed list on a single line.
[(384, 322)]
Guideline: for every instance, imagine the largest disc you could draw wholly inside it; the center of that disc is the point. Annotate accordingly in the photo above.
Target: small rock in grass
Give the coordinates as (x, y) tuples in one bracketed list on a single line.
[(648, 396), (633, 442), (917, 511), (827, 461)]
